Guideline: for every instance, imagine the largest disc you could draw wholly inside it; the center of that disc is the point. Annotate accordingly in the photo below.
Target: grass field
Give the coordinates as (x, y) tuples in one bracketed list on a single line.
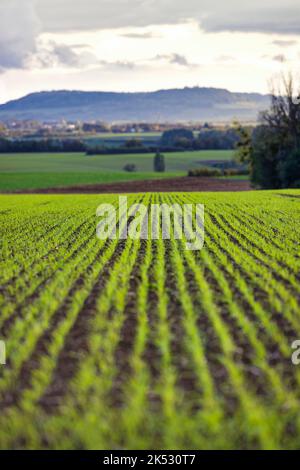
[(143, 344), (35, 171), (24, 181), (79, 162)]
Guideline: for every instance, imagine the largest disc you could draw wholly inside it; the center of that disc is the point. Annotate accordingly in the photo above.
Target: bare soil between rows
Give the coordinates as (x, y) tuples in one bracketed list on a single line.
[(180, 184)]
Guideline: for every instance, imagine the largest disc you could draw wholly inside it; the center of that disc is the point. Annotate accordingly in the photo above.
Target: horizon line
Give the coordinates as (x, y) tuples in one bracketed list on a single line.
[(77, 90)]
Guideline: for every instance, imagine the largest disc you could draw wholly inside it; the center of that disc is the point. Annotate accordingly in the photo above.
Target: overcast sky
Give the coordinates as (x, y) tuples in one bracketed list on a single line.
[(137, 45)]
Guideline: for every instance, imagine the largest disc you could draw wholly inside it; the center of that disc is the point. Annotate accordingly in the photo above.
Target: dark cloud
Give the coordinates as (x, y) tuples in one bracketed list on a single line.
[(22, 21), (174, 58), (270, 16), (19, 28)]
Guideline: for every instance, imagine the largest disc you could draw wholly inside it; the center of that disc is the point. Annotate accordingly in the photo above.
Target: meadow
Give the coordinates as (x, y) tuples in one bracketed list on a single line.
[(26, 181), (35, 171), (144, 344)]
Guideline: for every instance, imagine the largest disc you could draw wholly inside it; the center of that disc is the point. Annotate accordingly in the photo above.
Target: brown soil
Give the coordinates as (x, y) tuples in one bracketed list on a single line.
[(184, 184)]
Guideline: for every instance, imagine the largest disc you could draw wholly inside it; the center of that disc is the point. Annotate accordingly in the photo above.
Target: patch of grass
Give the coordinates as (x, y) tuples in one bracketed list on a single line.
[(19, 181), (46, 170), (79, 162)]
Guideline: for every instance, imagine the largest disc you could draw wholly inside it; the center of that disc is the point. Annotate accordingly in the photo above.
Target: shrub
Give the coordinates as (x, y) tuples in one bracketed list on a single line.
[(130, 167), (204, 171)]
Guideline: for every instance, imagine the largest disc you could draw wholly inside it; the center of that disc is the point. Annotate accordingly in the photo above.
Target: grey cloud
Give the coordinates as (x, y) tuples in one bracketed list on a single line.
[(174, 59), (279, 58), (146, 35), (179, 59), (269, 16), (19, 28), (74, 56), (285, 43), (272, 16), (124, 65), (66, 55), (53, 54), (79, 15)]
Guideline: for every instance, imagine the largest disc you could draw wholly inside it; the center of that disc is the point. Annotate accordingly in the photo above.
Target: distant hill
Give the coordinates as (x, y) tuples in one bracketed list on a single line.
[(187, 104)]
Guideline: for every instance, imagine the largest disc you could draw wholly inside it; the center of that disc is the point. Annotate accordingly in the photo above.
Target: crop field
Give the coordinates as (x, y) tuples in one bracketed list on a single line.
[(141, 343), (44, 170)]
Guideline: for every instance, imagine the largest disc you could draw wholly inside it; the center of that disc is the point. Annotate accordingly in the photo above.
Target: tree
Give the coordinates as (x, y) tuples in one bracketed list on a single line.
[(159, 163), (265, 157), (284, 114), (244, 143), (273, 150), (289, 170)]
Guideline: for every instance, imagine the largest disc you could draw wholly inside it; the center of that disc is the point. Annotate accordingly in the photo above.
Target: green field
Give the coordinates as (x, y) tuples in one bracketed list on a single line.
[(144, 344), (32, 171), (23, 181), (79, 162)]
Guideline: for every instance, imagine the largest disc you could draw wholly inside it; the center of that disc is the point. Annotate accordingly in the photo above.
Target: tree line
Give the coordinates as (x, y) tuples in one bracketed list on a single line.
[(41, 145), (173, 140)]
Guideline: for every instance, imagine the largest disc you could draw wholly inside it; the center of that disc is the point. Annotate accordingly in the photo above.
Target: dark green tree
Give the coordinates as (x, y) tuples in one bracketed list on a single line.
[(289, 170), (274, 148), (159, 163)]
